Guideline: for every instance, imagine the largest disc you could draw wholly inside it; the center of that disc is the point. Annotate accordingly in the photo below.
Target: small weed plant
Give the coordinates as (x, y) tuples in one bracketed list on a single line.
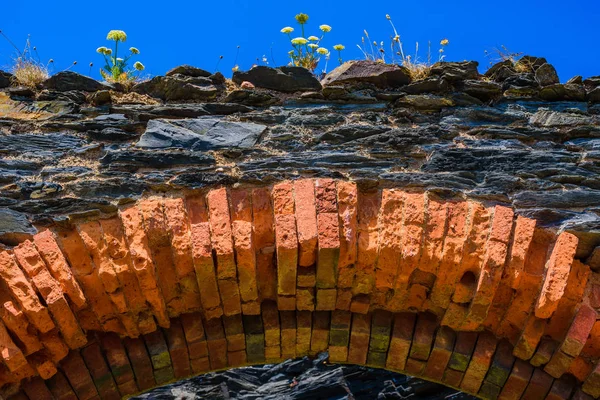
[(307, 51), (116, 69)]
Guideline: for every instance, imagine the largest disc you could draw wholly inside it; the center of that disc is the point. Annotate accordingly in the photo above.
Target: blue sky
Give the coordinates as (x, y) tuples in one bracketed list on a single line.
[(198, 32)]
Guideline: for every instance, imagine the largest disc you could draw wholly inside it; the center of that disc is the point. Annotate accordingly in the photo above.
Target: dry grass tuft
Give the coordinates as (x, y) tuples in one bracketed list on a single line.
[(30, 73)]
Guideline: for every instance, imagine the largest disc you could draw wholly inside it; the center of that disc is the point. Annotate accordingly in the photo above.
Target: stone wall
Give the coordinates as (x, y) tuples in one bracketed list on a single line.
[(445, 228)]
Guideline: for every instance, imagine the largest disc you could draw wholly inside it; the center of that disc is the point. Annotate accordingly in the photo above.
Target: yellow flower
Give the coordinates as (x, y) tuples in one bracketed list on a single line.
[(322, 51), (444, 42), (313, 45), (339, 47), (102, 50), (134, 50), (387, 16), (299, 41), (325, 28), (139, 66), (287, 29), (301, 18), (236, 68), (117, 36), (313, 38)]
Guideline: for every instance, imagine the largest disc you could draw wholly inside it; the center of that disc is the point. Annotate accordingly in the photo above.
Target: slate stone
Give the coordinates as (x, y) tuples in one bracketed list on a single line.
[(68, 80), (200, 134), (370, 72), (281, 79), (5, 79), (178, 87), (456, 71), (188, 70), (546, 75), (14, 227)]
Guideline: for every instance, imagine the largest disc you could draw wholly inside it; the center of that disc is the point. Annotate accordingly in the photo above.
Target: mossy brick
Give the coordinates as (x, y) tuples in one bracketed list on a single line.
[(164, 375), (305, 299), (558, 364), (234, 333), (360, 304), (376, 359), (480, 362), (270, 317), (489, 391), (539, 385), (78, 375), (194, 335), (273, 353), (340, 328), (338, 354), (326, 299), (101, 375), (303, 332), (328, 251), (255, 338), (286, 303), (544, 352), (501, 364), (530, 338), (158, 350), (423, 336), (440, 353), (140, 362), (517, 380), (288, 334), (319, 339), (60, 388), (307, 277), (381, 327), (579, 330), (415, 367), (359, 338), (463, 349), (400, 341)]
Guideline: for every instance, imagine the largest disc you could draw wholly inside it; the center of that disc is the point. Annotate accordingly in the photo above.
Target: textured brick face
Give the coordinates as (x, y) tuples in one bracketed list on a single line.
[(456, 291)]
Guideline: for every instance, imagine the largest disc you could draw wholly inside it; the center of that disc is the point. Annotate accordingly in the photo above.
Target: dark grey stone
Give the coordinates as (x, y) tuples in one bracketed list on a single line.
[(281, 79)]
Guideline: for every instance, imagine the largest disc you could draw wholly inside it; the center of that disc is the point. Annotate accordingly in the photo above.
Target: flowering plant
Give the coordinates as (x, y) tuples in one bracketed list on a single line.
[(115, 68), (306, 51)]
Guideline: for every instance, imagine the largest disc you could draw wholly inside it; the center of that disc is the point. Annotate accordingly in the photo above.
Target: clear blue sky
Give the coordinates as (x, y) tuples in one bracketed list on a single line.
[(198, 32)]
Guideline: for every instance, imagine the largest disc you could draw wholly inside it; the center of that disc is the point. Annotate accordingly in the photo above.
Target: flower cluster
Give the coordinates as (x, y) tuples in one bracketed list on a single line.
[(115, 68), (307, 51)]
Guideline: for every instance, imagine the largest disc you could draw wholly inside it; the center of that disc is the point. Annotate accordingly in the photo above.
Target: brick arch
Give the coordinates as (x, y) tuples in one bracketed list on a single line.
[(454, 291)]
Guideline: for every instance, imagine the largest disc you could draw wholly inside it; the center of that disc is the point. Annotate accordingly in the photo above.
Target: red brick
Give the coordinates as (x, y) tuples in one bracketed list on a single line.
[(368, 240), (579, 331), (142, 262), (288, 334), (79, 376), (178, 350), (140, 362), (217, 344), (270, 317), (559, 265), (423, 336), (544, 352), (36, 388), (234, 333), (181, 245), (94, 360), (194, 335), (54, 345), (263, 236), (415, 367), (60, 387), (117, 359), (319, 339), (440, 354), (561, 389), (559, 364), (517, 381), (591, 385), (303, 332), (480, 363), (463, 350), (539, 385), (160, 246), (401, 340), (202, 256), (306, 220), (326, 195), (452, 378), (580, 395)]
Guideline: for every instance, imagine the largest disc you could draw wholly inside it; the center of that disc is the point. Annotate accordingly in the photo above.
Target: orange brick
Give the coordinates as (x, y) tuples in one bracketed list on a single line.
[(54, 345), (283, 198), (390, 219), (412, 237), (264, 243), (326, 195), (241, 208), (359, 338), (57, 264), (202, 256), (368, 240), (580, 368), (194, 335), (559, 265), (23, 293), (160, 246), (303, 332), (17, 323), (523, 237), (142, 262), (435, 231), (181, 245), (328, 250), (347, 197), (270, 317), (288, 334), (517, 381), (306, 220), (287, 253), (319, 339), (234, 333), (480, 363), (11, 354), (530, 337), (440, 354)]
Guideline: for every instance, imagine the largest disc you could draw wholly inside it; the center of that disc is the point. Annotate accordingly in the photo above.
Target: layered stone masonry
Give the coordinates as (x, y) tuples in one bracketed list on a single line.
[(455, 291)]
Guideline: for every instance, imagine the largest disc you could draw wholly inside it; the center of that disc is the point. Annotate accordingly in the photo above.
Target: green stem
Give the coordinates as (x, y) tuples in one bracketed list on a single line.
[(115, 59)]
